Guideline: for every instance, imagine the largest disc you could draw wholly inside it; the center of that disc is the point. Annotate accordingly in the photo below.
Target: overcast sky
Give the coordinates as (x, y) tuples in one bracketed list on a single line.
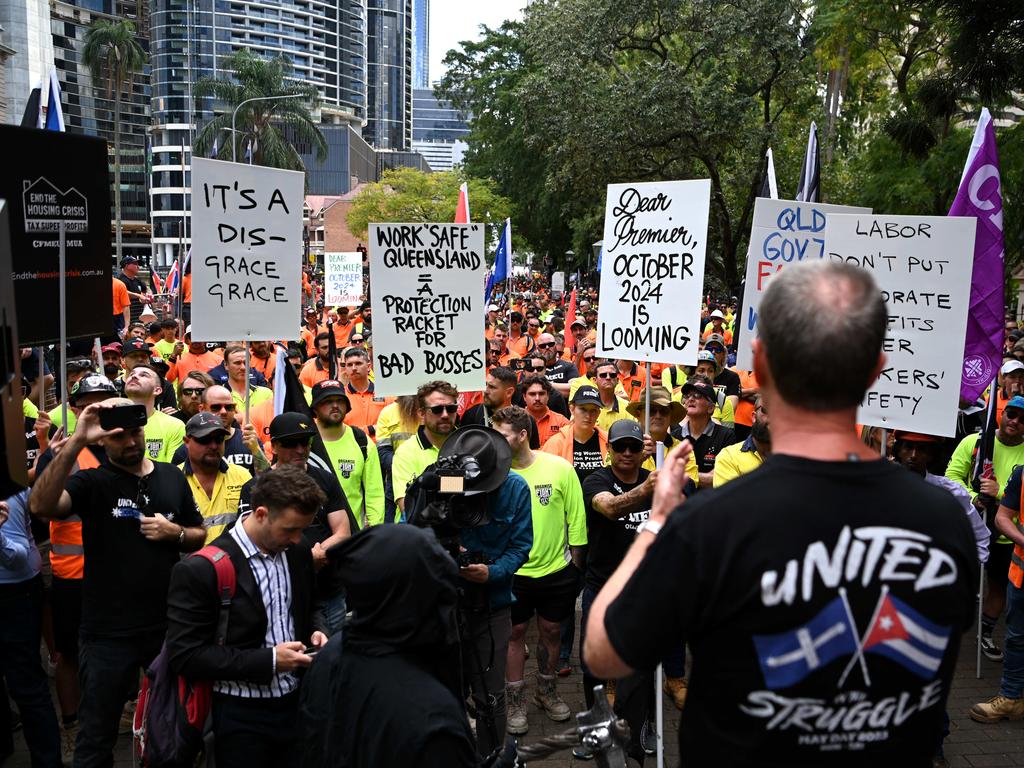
[(452, 21)]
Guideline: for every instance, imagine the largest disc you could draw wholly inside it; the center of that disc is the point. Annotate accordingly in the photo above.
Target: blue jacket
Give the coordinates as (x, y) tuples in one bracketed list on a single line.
[(505, 541)]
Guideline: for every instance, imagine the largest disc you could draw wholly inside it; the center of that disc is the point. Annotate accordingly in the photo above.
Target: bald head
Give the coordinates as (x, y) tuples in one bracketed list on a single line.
[(546, 347)]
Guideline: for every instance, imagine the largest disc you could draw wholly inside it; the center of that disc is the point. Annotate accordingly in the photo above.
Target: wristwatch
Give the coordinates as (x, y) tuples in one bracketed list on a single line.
[(649, 525)]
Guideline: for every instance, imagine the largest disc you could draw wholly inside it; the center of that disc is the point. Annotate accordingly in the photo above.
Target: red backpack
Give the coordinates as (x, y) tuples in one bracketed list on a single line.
[(172, 711)]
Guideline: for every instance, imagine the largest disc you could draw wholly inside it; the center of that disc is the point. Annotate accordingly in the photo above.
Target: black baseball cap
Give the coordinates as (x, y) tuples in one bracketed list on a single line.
[(129, 260), (625, 429), (587, 395), (329, 388), (205, 423), (291, 425), (704, 390), (135, 345)]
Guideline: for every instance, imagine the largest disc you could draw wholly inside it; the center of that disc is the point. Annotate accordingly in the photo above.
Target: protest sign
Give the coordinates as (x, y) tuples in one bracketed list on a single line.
[(343, 278), (783, 232), (922, 265), (51, 178), (427, 305), (655, 235), (246, 251), (558, 282)]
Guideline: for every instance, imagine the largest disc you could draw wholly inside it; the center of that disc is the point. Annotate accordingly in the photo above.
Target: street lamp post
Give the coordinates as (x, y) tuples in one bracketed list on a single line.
[(234, 115)]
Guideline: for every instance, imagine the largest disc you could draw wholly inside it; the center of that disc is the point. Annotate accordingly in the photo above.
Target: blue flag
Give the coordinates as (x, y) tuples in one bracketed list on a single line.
[(502, 260)]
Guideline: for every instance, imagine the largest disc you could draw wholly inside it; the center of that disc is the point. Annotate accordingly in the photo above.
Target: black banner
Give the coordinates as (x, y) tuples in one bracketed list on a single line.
[(51, 177)]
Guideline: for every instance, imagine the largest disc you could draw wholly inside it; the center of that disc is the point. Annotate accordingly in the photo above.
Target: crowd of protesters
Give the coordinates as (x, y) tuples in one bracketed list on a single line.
[(93, 556)]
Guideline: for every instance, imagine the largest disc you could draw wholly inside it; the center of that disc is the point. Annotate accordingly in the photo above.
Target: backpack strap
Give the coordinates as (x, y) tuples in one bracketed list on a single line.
[(361, 439), (226, 582)]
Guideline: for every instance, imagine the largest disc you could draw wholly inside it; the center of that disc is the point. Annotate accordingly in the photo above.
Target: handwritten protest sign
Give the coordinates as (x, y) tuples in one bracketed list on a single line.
[(427, 305), (922, 265), (246, 251), (783, 232), (652, 275), (343, 278), (558, 282)]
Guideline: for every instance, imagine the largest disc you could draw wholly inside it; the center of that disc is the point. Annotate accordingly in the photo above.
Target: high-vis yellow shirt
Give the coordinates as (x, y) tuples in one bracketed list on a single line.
[(360, 479), (221, 509), (164, 434), (559, 517)]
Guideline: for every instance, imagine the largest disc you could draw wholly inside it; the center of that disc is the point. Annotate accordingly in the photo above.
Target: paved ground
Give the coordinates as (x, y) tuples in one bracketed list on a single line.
[(970, 745)]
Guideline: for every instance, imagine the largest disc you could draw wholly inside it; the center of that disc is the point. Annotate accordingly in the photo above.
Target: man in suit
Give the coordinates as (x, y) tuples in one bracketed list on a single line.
[(255, 673)]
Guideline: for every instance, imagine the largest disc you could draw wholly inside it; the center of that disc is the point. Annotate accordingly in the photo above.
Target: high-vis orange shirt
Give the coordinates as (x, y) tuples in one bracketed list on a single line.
[(121, 298), (67, 553), (744, 412), (186, 288)]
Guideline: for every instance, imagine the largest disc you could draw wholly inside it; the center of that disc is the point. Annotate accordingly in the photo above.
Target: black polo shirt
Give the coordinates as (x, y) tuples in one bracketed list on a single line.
[(708, 444)]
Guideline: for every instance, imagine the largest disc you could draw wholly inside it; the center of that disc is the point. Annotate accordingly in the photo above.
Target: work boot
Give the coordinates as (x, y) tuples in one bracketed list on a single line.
[(998, 708), (609, 692), (515, 722), (68, 734), (547, 698), (675, 687)]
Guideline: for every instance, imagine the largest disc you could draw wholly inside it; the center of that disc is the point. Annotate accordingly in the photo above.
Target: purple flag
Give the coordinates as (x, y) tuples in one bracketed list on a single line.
[(980, 195)]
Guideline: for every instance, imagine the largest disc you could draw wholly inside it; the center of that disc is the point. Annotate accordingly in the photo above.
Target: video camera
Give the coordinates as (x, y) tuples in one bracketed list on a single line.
[(439, 495)]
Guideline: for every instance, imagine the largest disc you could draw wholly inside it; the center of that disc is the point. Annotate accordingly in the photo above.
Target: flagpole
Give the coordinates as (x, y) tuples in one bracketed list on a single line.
[(62, 270)]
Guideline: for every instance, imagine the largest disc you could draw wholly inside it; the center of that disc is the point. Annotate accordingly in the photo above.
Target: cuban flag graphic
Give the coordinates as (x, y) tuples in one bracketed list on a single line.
[(903, 635), (789, 657)]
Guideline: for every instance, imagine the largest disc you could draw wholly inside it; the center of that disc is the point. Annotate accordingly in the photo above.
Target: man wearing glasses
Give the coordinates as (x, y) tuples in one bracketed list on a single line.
[(708, 438), (241, 446), (215, 483), (138, 516), (190, 395), (438, 408), (559, 372)]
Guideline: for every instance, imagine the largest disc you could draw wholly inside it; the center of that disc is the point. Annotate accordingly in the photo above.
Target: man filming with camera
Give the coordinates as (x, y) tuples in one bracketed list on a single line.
[(488, 526)]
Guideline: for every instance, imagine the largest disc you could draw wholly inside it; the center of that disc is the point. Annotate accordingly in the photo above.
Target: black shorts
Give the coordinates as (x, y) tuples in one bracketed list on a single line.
[(552, 597), (998, 565), (66, 604)]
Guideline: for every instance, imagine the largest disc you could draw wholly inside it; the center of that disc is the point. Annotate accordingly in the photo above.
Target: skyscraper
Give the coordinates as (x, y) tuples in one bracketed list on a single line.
[(325, 41), (389, 57), (439, 130), (421, 44)]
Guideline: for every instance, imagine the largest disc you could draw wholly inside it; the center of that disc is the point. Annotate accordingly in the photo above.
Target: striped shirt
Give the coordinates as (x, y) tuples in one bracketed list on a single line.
[(275, 584)]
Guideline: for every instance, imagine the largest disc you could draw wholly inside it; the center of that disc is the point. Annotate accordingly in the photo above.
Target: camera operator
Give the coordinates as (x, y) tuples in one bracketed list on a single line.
[(494, 535), (739, 572)]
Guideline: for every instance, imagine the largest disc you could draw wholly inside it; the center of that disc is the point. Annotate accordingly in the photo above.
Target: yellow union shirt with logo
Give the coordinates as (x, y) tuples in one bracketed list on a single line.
[(559, 517)]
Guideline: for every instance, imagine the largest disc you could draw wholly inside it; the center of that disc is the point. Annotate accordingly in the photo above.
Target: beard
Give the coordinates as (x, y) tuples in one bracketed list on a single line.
[(110, 370), (761, 433)]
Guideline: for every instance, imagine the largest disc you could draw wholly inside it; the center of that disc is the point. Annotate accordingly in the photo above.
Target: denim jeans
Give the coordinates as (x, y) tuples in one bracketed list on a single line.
[(108, 669), (21, 618), (1013, 649), (334, 609)]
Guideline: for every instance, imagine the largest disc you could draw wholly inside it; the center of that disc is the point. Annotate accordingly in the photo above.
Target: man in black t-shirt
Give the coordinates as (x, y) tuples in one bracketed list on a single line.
[(557, 370), (137, 517), (618, 500), (823, 595), (137, 291), (726, 381)]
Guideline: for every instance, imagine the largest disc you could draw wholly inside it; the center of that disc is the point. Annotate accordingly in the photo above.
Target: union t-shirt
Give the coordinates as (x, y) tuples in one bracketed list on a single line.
[(823, 603), (586, 457), (558, 517), (126, 574), (609, 539), (164, 435)]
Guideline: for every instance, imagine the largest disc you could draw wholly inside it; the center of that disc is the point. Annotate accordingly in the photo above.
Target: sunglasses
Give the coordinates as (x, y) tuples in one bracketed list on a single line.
[(209, 439), (451, 409), (218, 407), (548, 345), (630, 446), (538, 368), (295, 442), (607, 376), (533, 325), (1014, 415), (193, 391)]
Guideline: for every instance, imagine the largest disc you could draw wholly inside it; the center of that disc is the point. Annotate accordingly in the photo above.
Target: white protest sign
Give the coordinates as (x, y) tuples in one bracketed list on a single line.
[(652, 275), (922, 265), (343, 278), (558, 282), (783, 232), (427, 302), (246, 251)]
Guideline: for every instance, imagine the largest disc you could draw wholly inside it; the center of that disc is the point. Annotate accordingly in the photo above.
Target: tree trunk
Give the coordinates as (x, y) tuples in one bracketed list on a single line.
[(117, 166)]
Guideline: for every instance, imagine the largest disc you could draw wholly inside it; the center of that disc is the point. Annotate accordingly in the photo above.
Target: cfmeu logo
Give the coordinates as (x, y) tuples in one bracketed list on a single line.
[(46, 206), (977, 370)]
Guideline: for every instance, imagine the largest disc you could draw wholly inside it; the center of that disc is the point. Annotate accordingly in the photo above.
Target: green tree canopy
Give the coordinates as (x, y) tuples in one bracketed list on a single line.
[(275, 125), (410, 195)]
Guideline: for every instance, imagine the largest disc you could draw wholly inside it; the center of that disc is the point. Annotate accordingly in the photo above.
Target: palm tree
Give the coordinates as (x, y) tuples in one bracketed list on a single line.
[(111, 50), (269, 125)]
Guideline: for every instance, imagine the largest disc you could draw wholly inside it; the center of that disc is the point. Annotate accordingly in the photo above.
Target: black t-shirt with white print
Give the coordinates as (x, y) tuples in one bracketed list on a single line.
[(586, 457), (126, 574), (823, 603), (607, 539)]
